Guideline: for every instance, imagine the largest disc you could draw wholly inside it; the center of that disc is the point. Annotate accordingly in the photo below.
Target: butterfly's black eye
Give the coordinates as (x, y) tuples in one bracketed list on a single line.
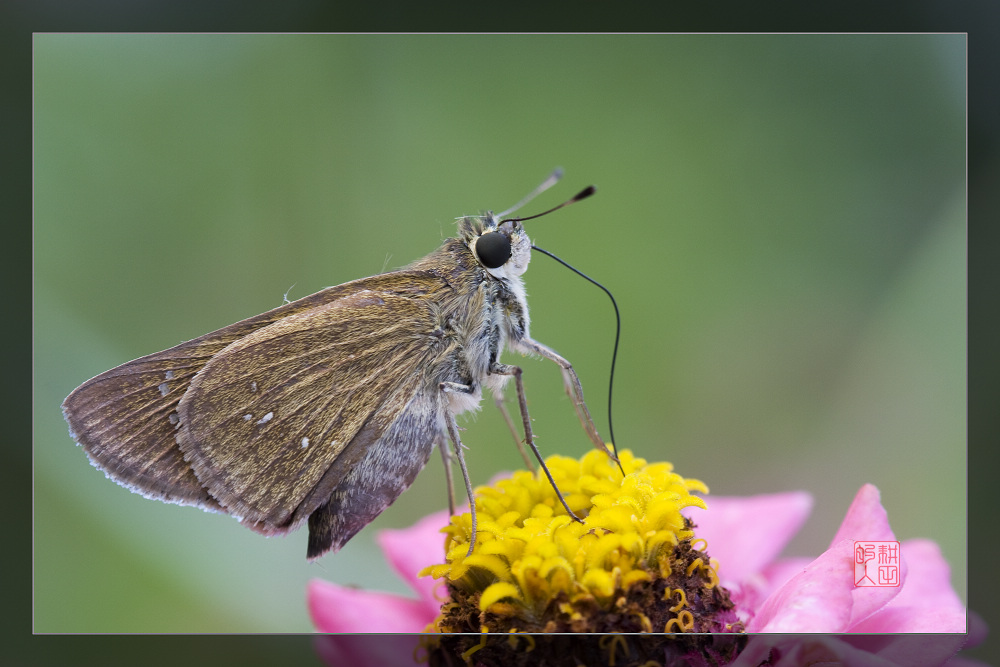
[(493, 249)]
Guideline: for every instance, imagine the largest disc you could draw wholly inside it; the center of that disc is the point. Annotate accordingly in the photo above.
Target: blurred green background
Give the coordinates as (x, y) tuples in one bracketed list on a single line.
[(781, 218)]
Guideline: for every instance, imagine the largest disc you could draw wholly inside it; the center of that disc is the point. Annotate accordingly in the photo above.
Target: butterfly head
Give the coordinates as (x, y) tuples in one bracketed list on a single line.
[(500, 246)]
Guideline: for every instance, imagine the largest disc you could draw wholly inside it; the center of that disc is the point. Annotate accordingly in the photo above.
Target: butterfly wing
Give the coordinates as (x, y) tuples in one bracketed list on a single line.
[(338, 399), (380, 463), (126, 419)]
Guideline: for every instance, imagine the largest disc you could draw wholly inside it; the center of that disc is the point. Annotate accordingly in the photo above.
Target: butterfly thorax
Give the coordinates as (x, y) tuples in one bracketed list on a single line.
[(485, 311)]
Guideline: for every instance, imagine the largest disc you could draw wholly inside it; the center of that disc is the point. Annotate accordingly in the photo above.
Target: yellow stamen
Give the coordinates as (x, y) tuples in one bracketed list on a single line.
[(467, 655), (683, 599), (611, 642)]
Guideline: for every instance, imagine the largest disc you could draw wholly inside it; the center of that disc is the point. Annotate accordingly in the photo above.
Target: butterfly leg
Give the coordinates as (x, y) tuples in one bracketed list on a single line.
[(443, 446), (498, 399), (522, 402), (573, 389), (454, 387)]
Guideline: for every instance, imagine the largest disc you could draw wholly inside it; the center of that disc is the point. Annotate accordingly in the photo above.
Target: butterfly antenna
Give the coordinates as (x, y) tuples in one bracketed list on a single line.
[(582, 194), (545, 185)]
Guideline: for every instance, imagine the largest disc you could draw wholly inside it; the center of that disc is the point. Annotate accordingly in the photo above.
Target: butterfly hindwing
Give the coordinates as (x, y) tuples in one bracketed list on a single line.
[(393, 447)]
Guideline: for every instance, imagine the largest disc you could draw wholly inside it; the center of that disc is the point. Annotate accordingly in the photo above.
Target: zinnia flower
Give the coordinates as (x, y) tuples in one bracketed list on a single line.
[(638, 564), (336, 608)]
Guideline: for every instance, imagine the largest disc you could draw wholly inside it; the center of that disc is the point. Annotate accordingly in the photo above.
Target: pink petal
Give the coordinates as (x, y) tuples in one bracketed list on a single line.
[(745, 534), (927, 602), (409, 550), (959, 661), (817, 599), (853, 650), (781, 571), (912, 619), (823, 598), (368, 650), (750, 593), (336, 608), (795, 651), (977, 635), (978, 630), (929, 577), (912, 650), (867, 520)]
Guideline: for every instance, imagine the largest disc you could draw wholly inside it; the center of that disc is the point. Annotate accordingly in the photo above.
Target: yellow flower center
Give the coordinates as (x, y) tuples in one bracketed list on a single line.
[(529, 553)]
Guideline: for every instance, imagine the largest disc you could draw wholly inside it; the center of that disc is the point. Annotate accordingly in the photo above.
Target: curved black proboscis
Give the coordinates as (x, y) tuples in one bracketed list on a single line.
[(618, 331)]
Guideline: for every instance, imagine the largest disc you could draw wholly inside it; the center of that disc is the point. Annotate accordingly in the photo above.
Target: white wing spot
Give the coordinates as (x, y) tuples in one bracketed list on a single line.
[(169, 375), (253, 386), (174, 419), (333, 443), (305, 442), (164, 389), (266, 418), (247, 417)]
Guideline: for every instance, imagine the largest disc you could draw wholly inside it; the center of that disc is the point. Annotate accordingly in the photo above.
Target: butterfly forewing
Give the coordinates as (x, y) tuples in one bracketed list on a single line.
[(285, 402)]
